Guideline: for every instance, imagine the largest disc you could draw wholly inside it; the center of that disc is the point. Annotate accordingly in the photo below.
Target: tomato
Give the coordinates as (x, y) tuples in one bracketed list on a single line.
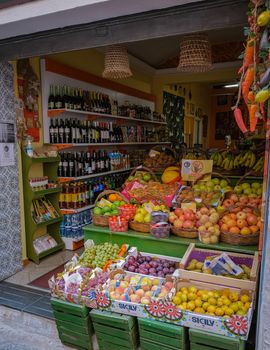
[(263, 19), (262, 95)]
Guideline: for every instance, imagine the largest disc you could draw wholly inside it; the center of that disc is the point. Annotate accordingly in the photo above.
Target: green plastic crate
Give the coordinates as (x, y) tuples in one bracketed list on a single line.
[(159, 335), (200, 340), (73, 324), (115, 331)]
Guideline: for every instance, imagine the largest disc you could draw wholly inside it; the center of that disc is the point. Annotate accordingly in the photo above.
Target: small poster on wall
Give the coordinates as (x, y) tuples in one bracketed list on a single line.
[(7, 144)]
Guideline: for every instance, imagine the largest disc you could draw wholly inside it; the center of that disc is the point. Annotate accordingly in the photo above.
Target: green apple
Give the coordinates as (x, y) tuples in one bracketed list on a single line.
[(238, 189), (97, 211), (130, 178), (259, 192), (227, 188), (209, 183), (223, 183), (252, 195), (247, 191), (217, 188), (245, 185), (203, 188), (256, 185), (196, 187), (215, 181)]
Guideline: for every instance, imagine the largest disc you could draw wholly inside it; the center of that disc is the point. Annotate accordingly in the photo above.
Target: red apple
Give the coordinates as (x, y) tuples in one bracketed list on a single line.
[(252, 219), (178, 212), (188, 224)]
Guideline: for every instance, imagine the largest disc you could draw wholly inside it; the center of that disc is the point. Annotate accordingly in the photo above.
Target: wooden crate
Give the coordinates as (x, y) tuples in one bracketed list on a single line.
[(193, 252), (201, 340), (155, 335), (73, 323), (115, 331)]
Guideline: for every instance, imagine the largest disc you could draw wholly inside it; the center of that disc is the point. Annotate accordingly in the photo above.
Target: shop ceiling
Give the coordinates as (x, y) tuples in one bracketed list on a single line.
[(220, 18)]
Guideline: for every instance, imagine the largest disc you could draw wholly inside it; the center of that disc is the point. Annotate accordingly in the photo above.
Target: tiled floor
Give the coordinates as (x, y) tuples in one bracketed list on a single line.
[(33, 271)]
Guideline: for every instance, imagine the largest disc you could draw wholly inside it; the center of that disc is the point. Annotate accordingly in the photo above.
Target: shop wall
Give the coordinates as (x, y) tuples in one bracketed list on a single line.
[(92, 61), (10, 220)]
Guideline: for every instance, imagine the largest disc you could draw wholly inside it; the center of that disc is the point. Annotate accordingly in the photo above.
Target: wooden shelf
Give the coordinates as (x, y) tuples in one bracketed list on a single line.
[(56, 112), (47, 252), (172, 245), (78, 178), (49, 222), (45, 192), (75, 211), (71, 145)]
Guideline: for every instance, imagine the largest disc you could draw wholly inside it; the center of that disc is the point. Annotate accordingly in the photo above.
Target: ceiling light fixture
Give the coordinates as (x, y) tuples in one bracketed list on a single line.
[(116, 63), (231, 85), (195, 54)]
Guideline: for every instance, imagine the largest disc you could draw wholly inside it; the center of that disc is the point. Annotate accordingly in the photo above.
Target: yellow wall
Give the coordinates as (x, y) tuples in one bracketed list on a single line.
[(92, 61)]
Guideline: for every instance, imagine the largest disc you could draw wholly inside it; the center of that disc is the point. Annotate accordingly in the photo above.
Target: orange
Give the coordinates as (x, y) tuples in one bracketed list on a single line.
[(112, 197)]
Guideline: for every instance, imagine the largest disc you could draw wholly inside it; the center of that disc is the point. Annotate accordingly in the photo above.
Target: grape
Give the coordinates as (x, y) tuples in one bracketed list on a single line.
[(98, 255)]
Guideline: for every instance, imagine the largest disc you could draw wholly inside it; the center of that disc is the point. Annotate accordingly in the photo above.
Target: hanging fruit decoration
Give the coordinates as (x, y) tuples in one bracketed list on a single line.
[(254, 86)]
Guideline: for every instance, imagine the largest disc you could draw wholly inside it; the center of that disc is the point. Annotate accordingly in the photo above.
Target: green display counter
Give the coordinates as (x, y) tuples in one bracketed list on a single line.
[(172, 246)]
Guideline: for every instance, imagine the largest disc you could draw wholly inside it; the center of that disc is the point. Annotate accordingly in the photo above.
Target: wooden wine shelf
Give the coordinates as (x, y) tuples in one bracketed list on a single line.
[(56, 112), (78, 178), (61, 146)]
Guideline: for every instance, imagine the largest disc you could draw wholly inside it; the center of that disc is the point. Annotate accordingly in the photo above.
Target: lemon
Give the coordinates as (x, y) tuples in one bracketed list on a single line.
[(219, 311), (142, 211), (233, 296), (147, 218), (234, 307), (139, 217), (191, 305), (198, 302), (244, 298), (212, 301), (193, 289), (228, 311), (191, 296), (211, 309), (205, 305), (184, 297), (199, 310), (176, 300)]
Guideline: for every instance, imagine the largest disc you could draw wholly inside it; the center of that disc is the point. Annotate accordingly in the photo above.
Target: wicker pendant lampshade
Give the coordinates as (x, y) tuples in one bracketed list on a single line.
[(195, 54), (116, 63)]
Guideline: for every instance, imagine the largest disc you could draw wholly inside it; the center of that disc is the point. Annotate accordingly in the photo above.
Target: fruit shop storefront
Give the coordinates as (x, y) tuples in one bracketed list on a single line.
[(166, 242)]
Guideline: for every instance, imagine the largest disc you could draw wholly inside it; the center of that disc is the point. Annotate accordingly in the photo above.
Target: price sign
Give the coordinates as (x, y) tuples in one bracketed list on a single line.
[(193, 169)]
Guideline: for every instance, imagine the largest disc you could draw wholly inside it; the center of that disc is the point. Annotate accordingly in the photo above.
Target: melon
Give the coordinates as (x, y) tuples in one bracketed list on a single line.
[(170, 168), (170, 176)]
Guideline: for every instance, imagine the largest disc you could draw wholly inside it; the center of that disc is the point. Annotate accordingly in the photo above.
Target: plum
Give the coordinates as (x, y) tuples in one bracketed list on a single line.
[(137, 270), (148, 258), (172, 269), (147, 266), (152, 271), (160, 274), (166, 271), (159, 268), (131, 268)]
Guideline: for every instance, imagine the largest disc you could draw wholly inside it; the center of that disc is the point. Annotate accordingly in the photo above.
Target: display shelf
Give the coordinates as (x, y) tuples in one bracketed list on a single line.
[(78, 178), (56, 112), (44, 159), (49, 222), (50, 166), (171, 246), (42, 193), (59, 246), (74, 211)]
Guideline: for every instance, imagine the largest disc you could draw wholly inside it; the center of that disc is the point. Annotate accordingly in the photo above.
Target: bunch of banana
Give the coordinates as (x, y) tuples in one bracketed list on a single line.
[(195, 156), (245, 160), (228, 162), (217, 159), (258, 167), (190, 156)]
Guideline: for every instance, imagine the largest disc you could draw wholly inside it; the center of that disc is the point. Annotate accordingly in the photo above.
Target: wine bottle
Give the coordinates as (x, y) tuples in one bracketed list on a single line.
[(71, 165), (56, 132), (58, 101), (51, 100), (66, 98), (67, 132), (51, 131), (61, 131)]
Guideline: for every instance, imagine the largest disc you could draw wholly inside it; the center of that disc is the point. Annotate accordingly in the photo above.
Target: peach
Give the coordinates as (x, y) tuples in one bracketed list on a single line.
[(124, 284), (254, 228), (145, 300), (119, 290), (148, 294), (145, 287), (134, 298), (123, 297), (168, 285), (231, 223), (139, 292), (224, 227)]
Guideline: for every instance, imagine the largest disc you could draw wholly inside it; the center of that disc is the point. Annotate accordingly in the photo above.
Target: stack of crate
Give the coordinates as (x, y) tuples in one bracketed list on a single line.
[(115, 331), (73, 323), (155, 335), (201, 340)]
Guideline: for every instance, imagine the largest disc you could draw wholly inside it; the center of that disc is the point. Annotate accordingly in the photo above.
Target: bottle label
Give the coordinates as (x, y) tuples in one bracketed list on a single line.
[(51, 105), (68, 199)]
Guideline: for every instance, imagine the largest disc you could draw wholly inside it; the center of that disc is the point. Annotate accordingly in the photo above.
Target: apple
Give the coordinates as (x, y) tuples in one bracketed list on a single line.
[(241, 215), (172, 218), (241, 223), (178, 223), (204, 219), (245, 231), (178, 212), (252, 219), (188, 224), (119, 290)]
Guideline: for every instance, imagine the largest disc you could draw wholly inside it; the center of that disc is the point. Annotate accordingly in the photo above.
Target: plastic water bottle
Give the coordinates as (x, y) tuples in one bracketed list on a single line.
[(29, 146), (68, 226)]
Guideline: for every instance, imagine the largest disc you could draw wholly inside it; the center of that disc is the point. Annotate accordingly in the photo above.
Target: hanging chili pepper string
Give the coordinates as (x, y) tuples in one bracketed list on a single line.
[(239, 91)]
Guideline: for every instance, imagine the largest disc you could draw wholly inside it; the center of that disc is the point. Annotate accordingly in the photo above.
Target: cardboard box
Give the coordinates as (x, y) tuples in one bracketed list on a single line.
[(252, 261)]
